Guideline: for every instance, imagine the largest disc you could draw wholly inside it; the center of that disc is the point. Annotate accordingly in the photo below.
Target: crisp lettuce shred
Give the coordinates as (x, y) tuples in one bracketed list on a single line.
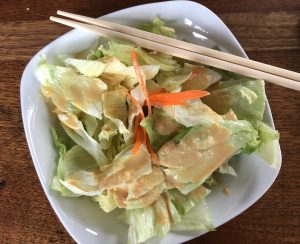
[(158, 27), (97, 126)]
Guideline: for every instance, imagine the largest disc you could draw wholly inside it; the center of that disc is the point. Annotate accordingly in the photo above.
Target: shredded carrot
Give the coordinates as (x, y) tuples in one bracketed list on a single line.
[(140, 79), (152, 153), (135, 102), (136, 124), (139, 140), (180, 96), (196, 73), (139, 136)]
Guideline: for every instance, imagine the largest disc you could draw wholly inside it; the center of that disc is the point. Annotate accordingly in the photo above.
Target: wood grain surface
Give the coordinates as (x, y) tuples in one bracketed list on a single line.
[(268, 30)]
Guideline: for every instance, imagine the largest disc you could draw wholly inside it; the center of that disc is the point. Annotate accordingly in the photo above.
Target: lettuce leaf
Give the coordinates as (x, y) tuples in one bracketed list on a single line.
[(91, 124), (119, 49), (147, 199), (115, 109), (184, 203), (203, 77), (158, 27), (242, 134), (62, 145), (193, 114), (166, 213), (245, 96), (142, 224), (198, 218), (171, 81), (227, 169), (266, 144), (75, 130), (163, 218), (114, 72), (165, 62), (202, 151), (93, 53), (126, 168), (106, 201), (59, 142), (265, 134), (146, 183), (181, 134), (148, 71), (69, 90), (78, 172), (108, 131), (246, 136), (90, 68), (155, 138)]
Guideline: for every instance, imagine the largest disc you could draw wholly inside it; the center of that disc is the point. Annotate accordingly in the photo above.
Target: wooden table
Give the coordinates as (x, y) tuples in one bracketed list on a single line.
[(269, 31)]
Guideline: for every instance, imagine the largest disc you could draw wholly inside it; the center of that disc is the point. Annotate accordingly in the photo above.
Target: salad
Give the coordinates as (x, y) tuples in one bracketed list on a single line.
[(145, 132)]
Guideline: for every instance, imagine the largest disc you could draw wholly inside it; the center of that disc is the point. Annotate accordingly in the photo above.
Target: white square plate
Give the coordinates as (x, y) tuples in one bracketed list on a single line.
[(83, 219)]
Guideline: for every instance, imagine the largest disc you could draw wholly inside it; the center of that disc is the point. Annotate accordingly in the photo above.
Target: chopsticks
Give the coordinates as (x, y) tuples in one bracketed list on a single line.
[(184, 50)]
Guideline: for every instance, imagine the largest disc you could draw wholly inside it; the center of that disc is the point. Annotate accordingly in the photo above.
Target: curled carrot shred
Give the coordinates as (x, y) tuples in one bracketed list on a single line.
[(141, 80), (136, 103), (180, 96), (139, 138), (136, 124), (139, 133)]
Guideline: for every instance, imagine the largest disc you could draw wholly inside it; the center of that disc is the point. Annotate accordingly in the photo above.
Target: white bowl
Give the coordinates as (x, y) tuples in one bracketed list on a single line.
[(83, 219)]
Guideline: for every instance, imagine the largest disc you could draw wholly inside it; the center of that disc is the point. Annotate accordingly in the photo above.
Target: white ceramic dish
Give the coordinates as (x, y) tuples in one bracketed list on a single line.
[(83, 219)]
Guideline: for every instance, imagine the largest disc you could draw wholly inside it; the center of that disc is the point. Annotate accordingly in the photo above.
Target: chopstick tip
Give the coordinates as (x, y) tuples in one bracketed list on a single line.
[(53, 18)]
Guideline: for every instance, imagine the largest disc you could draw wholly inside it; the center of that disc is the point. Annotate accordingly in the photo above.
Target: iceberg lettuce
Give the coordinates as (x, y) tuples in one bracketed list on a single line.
[(166, 213), (245, 96), (69, 90), (171, 81), (79, 172), (158, 27), (75, 130), (118, 49), (106, 201), (155, 138), (203, 77), (165, 62), (90, 68), (115, 109)]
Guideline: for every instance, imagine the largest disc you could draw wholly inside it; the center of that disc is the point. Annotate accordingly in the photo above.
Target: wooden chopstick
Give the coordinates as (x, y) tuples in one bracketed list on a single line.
[(183, 45), (275, 76)]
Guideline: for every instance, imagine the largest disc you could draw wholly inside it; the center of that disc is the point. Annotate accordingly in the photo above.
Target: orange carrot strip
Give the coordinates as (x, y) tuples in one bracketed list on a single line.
[(152, 153), (168, 103), (135, 127), (135, 102), (140, 79), (181, 96), (139, 140)]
